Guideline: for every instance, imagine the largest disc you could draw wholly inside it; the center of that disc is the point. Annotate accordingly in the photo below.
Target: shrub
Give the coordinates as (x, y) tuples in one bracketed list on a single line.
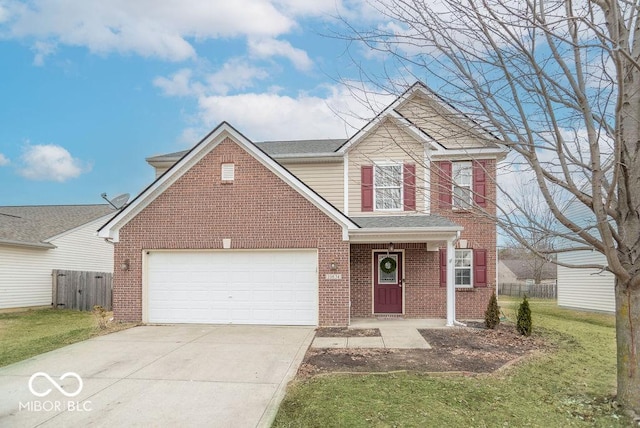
[(524, 318), (101, 315), (492, 314)]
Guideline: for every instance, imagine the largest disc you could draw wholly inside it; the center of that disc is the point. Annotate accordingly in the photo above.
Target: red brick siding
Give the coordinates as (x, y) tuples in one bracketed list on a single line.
[(423, 295), (257, 211), (424, 298), (480, 232)]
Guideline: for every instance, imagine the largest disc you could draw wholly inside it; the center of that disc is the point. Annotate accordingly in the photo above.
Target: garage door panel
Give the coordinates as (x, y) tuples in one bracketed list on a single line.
[(260, 287)]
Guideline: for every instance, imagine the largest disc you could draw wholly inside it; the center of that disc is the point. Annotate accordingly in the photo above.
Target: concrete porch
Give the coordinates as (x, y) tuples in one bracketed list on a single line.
[(395, 333), (397, 322)]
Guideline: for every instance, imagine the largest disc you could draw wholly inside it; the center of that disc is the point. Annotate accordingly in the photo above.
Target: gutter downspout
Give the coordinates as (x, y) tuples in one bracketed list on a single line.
[(451, 287)]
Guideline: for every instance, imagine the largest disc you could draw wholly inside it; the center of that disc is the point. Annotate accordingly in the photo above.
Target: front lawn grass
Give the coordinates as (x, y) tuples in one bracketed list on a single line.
[(33, 332), (573, 384)]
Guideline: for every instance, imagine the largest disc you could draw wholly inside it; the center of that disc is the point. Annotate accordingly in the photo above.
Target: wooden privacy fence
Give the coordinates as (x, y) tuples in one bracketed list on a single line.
[(81, 290), (543, 291)]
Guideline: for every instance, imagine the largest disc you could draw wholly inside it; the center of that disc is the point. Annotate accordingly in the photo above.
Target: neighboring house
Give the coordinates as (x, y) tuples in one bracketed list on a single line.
[(34, 240), (589, 289), (523, 271), (385, 223)]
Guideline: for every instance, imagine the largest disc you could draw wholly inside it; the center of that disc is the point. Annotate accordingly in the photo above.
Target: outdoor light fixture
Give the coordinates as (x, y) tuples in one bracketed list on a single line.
[(125, 265), (333, 266), (390, 246)]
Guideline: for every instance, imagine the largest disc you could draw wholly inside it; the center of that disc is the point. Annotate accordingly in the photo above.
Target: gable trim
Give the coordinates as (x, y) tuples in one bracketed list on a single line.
[(111, 229)]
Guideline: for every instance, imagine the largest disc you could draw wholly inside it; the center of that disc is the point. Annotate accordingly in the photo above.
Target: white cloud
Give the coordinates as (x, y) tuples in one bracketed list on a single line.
[(4, 160), (236, 74), (4, 14), (42, 50), (49, 162), (144, 27), (178, 84), (269, 116), (267, 48)]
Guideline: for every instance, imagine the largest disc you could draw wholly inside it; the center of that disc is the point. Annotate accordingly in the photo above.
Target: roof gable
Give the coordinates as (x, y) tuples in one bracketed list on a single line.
[(193, 156), (406, 111)]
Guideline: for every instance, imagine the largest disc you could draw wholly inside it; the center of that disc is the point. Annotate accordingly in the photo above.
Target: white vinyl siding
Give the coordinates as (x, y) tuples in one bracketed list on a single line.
[(585, 288), (25, 273), (326, 179), (441, 123), (388, 143)]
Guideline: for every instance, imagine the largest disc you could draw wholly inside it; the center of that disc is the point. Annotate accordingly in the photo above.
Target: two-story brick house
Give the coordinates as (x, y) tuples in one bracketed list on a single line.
[(390, 222)]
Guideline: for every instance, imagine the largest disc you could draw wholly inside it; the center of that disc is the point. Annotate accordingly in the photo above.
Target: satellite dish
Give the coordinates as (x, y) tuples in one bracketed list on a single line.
[(117, 202)]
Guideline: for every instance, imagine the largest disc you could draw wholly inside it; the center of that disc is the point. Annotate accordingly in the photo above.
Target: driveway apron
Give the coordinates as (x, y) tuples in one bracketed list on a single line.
[(178, 375)]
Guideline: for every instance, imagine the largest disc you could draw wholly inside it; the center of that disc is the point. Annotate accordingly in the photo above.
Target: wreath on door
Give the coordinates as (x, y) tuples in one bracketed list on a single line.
[(388, 265)]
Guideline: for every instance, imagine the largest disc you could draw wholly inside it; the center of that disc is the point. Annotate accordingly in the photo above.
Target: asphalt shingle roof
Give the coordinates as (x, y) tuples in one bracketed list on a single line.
[(404, 221), (276, 148), (34, 225), (524, 269), (298, 147)]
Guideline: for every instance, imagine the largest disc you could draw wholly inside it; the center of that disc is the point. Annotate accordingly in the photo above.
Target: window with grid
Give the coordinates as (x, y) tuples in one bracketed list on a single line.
[(463, 268), (388, 187), (462, 181)]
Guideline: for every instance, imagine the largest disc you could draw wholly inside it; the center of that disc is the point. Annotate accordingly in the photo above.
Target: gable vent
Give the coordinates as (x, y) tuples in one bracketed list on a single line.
[(228, 172)]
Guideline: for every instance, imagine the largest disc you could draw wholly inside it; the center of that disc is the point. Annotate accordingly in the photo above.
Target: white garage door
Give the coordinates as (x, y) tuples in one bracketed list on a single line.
[(237, 287)]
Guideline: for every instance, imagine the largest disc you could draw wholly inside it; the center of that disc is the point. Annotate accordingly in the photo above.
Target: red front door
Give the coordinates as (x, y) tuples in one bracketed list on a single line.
[(387, 283)]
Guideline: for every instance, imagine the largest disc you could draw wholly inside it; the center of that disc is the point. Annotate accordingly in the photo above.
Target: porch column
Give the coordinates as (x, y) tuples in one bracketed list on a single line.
[(451, 287)]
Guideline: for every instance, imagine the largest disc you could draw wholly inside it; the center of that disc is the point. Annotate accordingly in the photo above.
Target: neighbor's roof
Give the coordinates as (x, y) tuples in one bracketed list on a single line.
[(34, 225), (523, 269), (404, 221)]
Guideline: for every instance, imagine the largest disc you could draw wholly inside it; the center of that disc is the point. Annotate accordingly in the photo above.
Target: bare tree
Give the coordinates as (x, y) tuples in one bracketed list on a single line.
[(558, 81)]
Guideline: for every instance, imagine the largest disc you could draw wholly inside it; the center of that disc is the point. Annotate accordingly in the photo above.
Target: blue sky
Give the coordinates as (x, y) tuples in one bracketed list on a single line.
[(89, 89)]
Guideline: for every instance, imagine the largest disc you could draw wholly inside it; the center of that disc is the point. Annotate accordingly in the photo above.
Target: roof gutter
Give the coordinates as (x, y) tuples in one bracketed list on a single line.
[(37, 245), (403, 235)]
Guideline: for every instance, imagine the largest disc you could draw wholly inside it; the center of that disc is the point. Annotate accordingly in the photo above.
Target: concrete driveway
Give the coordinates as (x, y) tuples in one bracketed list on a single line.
[(179, 375)]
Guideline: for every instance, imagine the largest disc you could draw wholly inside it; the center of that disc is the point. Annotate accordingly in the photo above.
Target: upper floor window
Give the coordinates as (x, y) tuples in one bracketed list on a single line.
[(462, 185), (388, 187), (461, 180)]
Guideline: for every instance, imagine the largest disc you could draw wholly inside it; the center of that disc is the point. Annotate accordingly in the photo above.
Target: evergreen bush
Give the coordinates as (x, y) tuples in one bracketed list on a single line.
[(492, 314), (524, 318)]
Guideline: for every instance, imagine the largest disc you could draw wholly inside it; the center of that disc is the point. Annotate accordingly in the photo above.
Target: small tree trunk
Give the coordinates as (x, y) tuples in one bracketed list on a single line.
[(628, 342)]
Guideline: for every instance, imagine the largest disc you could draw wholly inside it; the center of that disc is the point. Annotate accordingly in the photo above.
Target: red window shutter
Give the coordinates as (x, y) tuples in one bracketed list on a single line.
[(445, 190), (366, 184), (409, 175), (443, 267), (480, 268), (480, 183)]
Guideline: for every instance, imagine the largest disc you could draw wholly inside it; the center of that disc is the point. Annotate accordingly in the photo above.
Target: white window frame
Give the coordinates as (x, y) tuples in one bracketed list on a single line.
[(470, 267), (376, 187), (461, 165)]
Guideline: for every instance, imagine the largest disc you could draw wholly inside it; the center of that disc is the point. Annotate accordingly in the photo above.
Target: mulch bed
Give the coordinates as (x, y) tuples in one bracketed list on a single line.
[(471, 349)]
